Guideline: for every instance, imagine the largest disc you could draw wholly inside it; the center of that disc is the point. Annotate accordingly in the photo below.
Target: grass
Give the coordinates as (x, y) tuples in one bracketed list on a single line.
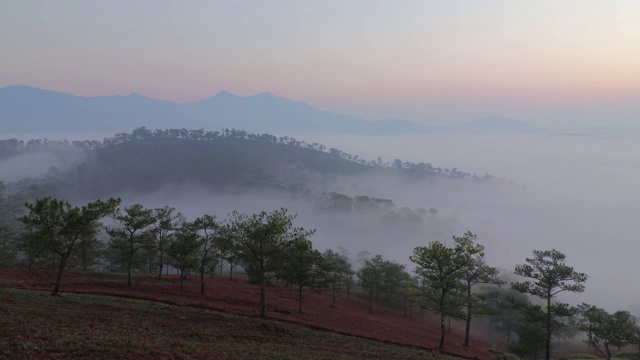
[(34, 324)]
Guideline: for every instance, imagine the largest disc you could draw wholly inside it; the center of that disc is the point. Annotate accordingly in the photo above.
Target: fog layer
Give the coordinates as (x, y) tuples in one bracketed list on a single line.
[(576, 194)]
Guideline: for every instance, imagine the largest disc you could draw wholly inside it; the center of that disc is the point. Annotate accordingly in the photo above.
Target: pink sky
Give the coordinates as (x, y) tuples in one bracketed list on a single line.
[(428, 61)]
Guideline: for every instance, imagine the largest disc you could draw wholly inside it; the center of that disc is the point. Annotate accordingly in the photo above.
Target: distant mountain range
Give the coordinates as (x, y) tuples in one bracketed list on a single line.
[(27, 110)]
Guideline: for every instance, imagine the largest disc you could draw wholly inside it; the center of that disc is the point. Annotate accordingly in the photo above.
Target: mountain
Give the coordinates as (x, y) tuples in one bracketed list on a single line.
[(25, 110)]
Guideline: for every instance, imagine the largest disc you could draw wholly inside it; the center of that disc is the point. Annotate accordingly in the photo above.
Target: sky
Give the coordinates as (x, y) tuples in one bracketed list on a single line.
[(434, 62)]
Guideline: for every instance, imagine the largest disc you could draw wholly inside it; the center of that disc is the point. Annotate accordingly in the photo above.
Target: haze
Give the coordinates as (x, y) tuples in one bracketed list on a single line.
[(433, 62)]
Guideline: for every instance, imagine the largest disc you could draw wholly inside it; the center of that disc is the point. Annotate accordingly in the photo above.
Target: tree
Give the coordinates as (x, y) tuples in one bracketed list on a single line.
[(504, 316), (165, 223), (530, 329), (208, 229), (135, 233), (261, 239), (8, 250), (184, 249), (440, 269), (551, 276), (409, 292), (476, 272), (300, 265), (605, 330), (337, 269), (87, 250), (393, 276), (60, 226), (370, 278), (379, 277)]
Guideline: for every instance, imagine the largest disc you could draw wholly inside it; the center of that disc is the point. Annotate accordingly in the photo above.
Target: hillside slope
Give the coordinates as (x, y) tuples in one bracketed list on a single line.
[(239, 297)]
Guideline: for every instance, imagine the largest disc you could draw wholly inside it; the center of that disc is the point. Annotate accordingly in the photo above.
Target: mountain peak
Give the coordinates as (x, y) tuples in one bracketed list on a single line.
[(225, 94)]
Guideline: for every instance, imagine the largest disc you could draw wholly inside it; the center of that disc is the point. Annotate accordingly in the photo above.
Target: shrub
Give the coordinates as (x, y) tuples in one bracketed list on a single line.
[(499, 355), (627, 355), (579, 357)]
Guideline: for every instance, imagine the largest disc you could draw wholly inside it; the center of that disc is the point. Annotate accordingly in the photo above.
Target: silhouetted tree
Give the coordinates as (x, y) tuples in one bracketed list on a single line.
[(134, 233), (208, 229), (440, 269), (301, 265), (261, 239), (166, 221), (550, 276), (184, 249), (60, 226), (338, 271), (476, 272), (605, 330)]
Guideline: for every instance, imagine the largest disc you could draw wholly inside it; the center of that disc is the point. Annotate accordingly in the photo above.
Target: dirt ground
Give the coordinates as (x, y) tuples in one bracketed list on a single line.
[(237, 296)]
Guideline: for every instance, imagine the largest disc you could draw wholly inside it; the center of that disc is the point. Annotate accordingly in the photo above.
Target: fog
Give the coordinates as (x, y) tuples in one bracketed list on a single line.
[(37, 163), (575, 194)]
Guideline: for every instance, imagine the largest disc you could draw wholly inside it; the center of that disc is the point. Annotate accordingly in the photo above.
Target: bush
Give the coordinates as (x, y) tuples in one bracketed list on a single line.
[(499, 355), (627, 355), (579, 357)]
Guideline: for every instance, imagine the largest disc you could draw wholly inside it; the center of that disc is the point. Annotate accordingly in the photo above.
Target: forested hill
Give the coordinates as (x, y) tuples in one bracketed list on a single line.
[(146, 160), (223, 163)]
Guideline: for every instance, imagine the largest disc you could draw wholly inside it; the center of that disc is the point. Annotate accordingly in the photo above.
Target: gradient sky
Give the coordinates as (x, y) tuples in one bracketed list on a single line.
[(428, 61)]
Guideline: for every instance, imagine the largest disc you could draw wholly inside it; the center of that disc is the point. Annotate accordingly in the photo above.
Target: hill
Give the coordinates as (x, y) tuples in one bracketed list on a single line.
[(146, 160), (193, 329), (225, 163)]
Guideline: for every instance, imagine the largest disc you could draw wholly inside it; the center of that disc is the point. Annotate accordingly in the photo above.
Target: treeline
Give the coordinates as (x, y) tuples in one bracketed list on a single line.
[(452, 279), (14, 146)]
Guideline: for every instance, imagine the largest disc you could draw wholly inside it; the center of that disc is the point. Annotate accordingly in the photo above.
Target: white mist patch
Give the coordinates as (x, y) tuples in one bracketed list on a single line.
[(36, 164)]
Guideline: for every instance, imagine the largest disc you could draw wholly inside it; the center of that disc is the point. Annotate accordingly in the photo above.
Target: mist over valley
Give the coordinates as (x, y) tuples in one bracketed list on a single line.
[(572, 193)]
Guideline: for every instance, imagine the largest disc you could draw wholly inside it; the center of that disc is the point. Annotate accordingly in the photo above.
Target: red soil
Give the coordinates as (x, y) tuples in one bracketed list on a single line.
[(239, 297)]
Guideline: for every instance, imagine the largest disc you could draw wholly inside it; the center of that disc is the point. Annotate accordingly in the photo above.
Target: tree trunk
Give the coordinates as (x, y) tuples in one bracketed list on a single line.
[(221, 264), (333, 288), (405, 306), (56, 287), (263, 296), (443, 330), (547, 355), (181, 278), (201, 279), (443, 327), (608, 351), (160, 264), (129, 274), (468, 322), (263, 291), (61, 266), (300, 299)]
